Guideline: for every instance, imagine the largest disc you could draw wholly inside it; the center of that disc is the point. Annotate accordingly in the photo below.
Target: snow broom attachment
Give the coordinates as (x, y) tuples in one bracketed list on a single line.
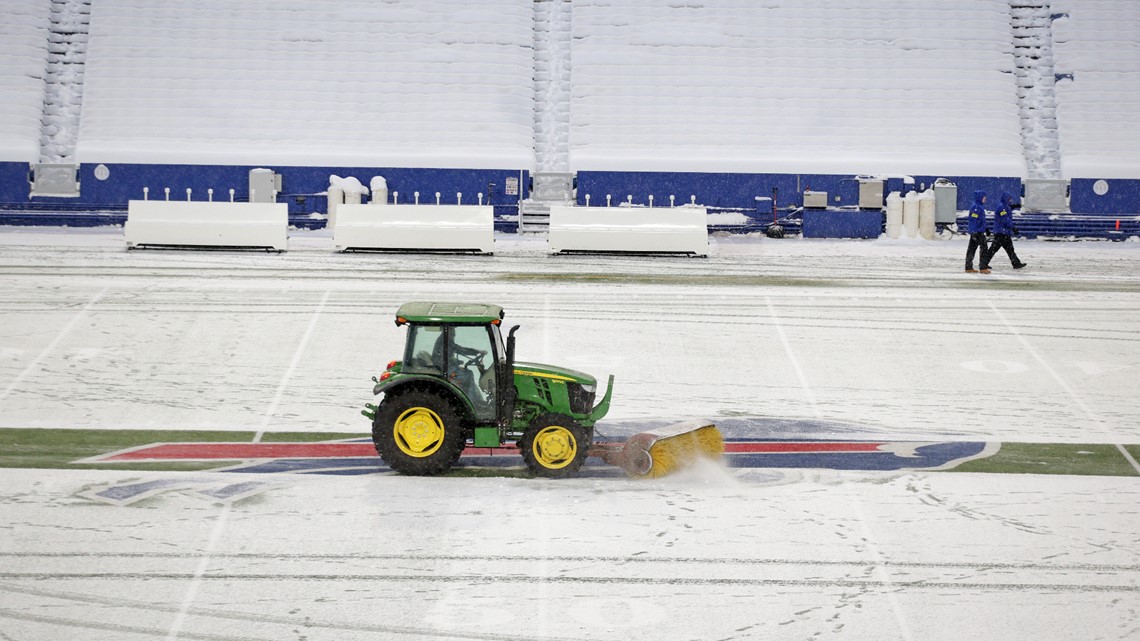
[(656, 453)]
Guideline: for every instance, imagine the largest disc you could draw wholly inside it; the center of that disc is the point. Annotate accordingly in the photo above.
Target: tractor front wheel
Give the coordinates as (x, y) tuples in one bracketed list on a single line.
[(418, 432), (554, 446)]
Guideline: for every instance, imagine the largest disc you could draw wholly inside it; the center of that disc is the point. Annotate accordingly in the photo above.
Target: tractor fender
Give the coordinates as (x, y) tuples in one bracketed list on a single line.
[(402, 380)]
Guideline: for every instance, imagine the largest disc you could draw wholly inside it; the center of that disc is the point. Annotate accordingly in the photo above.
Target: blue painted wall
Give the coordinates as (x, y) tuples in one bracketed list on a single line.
[(13, 182), (739, 191), (298, 185), (1122, 197)]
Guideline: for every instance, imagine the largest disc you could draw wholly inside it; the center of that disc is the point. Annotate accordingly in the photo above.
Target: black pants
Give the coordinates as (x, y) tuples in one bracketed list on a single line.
[(1001, 241), (977, 241)]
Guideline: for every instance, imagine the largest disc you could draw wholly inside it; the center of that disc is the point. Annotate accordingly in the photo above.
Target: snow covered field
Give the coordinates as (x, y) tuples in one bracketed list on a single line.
[(887, 339)]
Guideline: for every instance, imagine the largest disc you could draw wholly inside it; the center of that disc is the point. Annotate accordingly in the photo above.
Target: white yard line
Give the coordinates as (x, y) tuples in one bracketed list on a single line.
[(1095, 418), (203, 565), (792, 358), (52, 345), (881, 569), (272, 409), (881, 566)]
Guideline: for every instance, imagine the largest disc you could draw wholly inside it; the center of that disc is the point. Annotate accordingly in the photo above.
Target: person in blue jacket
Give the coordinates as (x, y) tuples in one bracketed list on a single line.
[(977, 230), (1003, 235)]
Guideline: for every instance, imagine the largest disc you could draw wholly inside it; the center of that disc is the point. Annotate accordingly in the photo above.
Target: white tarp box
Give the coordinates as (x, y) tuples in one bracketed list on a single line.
[(162, 223), (1046, 195), (264, 184), (945, 202), (459, 228), (629, 229)]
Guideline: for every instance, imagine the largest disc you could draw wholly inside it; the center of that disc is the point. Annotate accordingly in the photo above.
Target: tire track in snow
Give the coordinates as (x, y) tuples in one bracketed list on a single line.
[(891, 586), (293, 623)]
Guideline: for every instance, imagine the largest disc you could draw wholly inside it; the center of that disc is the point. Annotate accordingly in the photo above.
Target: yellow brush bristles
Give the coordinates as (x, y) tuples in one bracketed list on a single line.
[(674, 453)]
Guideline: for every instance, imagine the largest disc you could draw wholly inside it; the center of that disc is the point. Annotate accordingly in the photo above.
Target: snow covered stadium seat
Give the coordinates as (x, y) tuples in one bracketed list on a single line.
[(23, 52), (864, 86), (337, 83), (1097, 116)]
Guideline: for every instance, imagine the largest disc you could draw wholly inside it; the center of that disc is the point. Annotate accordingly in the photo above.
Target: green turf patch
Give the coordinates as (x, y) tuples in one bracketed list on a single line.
[(309, 437), (763, 280), (1053, 458), (58, 448), (54, 448)]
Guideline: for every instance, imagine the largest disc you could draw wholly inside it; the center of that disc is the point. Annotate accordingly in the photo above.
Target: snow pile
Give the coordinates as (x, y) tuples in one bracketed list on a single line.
[(445, 83), (1099, 44), (63, 93), (23, 59), (349, 185), (552, 45), (873, 86), (1033, 51)]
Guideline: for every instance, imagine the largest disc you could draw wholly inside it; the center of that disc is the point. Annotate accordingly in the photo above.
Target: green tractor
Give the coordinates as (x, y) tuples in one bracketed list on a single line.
[(458, 383)]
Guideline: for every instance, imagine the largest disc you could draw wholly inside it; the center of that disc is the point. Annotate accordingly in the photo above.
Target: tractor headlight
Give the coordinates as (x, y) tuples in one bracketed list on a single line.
[(581, 397)]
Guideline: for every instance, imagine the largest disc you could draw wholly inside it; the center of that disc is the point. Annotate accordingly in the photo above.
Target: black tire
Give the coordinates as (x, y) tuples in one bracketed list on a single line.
[(554, 446), (418, 431)]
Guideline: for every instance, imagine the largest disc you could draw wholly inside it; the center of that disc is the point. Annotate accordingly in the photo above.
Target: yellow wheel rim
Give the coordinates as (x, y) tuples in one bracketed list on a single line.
[(554, 447), (418, 432)]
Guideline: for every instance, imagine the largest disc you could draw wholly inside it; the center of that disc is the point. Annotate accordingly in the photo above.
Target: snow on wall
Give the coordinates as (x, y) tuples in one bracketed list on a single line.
[(868, 86), (1099, 123), (446, 83), (552, 45), (23, 61)]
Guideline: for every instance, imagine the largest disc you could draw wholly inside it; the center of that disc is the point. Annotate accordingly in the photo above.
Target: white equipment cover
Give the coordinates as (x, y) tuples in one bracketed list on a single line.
[(164, 223), (415, 227), (629, 229)]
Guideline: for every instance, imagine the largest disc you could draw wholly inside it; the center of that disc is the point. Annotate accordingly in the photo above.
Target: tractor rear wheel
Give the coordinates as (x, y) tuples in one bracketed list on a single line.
[(418, 432), (554, 446)]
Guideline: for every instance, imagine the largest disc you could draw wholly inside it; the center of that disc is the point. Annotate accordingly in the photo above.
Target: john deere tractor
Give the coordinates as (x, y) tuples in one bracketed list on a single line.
[(458, 381)]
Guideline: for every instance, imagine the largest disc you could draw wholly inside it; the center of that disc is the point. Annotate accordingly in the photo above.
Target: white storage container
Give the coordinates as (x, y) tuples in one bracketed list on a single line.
[(894, 215)]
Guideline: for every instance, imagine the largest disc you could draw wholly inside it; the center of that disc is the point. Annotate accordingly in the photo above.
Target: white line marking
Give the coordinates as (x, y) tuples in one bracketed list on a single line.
[(292, 367), (881, 569), (1128, 457), (52, 345), (792, 357), (203, 565), (1080, 402)]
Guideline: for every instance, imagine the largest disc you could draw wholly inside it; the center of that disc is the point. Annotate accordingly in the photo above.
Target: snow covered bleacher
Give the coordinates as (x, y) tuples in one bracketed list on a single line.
[(23, 62), (446, 83), (866, 86), (1096, 53)]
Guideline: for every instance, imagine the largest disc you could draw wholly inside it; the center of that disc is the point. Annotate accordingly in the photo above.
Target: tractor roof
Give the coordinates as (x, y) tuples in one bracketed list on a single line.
[(421, 312)]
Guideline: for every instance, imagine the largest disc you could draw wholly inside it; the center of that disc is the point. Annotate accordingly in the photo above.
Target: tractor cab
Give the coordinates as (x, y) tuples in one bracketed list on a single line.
[(462, 345)]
